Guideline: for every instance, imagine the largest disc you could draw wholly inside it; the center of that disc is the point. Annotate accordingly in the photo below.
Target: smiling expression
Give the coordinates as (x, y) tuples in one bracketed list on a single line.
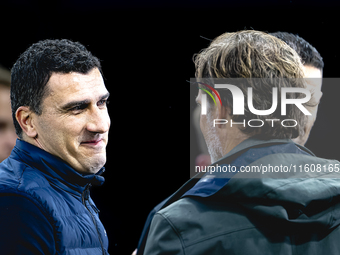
[(74, 123)]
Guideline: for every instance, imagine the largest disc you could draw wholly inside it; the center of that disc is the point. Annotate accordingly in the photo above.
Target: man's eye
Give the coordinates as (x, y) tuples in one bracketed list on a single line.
[(103, 102), (78, 107), (75, 108)]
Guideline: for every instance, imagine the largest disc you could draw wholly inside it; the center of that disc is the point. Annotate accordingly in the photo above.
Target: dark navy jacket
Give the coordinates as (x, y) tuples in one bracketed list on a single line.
[(287, 202), (242, 155), (45, 206)]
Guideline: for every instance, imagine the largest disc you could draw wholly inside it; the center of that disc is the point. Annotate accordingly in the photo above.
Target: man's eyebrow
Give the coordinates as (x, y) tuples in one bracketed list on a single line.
[(105, 96), (72, 104)]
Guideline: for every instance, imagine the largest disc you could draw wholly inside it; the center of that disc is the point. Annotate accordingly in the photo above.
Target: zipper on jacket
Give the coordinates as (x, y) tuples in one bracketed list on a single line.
[(84, 197)]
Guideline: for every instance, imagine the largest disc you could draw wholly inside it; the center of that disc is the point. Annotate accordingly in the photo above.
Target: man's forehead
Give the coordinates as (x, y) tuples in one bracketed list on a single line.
[(74, 78), (76, 83)]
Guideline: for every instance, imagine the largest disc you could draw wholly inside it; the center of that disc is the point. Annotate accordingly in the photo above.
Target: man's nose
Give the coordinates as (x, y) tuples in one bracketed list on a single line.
[(99, 121)]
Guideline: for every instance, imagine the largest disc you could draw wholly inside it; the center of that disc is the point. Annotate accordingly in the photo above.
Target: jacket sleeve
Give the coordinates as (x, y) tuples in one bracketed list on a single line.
[(142, 239), (163, 238), (23, 228)]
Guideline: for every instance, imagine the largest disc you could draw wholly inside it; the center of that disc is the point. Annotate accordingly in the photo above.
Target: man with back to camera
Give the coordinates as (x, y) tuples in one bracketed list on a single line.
[(7, 130), (285, 214), (60, 115), (313, 69)]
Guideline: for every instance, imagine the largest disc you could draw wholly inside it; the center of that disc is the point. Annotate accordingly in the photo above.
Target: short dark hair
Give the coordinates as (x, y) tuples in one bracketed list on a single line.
[(308, 54), (33, 69), (253, 54)]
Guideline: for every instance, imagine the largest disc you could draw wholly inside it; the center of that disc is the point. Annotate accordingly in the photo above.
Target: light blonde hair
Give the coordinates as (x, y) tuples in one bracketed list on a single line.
[(264, 62)]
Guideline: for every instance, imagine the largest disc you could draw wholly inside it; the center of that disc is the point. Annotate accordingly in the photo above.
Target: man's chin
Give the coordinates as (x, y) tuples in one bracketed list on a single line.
[(97, 164), (91, 164)]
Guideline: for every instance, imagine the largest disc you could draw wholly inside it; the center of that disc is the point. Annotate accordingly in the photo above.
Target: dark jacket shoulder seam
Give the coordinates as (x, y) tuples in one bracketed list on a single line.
[(220, 234), (20, 178), (174, 229)]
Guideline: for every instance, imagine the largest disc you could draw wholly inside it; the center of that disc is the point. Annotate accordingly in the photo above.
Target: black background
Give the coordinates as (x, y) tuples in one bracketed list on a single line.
[(146, 49)]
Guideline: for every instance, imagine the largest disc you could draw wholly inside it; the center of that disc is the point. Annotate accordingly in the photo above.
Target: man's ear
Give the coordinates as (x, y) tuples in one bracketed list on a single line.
[(224, 112), (25, 120)]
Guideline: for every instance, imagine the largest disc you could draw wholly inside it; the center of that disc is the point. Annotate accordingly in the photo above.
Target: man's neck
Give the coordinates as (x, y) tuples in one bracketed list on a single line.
[(232, 138)]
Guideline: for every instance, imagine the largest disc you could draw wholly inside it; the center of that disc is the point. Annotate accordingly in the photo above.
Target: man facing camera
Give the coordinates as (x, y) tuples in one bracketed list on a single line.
[(58, 99), (259, 206)]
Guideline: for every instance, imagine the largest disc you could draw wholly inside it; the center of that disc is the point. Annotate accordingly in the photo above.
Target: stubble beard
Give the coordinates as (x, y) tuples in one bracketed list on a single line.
[(213, 142)]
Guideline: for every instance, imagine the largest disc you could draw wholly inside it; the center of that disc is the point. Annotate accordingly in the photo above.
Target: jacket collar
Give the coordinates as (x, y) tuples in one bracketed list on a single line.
[(227, 159), (55, 170), (253, 142)]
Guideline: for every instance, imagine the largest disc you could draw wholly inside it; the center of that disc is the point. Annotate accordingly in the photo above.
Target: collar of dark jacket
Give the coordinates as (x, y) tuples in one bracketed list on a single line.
[(253, 142), (227, 159), (56, 171)]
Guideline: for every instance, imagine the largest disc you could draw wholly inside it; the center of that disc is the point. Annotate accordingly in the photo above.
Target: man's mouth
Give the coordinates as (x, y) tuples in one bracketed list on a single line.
[(93, 142)]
